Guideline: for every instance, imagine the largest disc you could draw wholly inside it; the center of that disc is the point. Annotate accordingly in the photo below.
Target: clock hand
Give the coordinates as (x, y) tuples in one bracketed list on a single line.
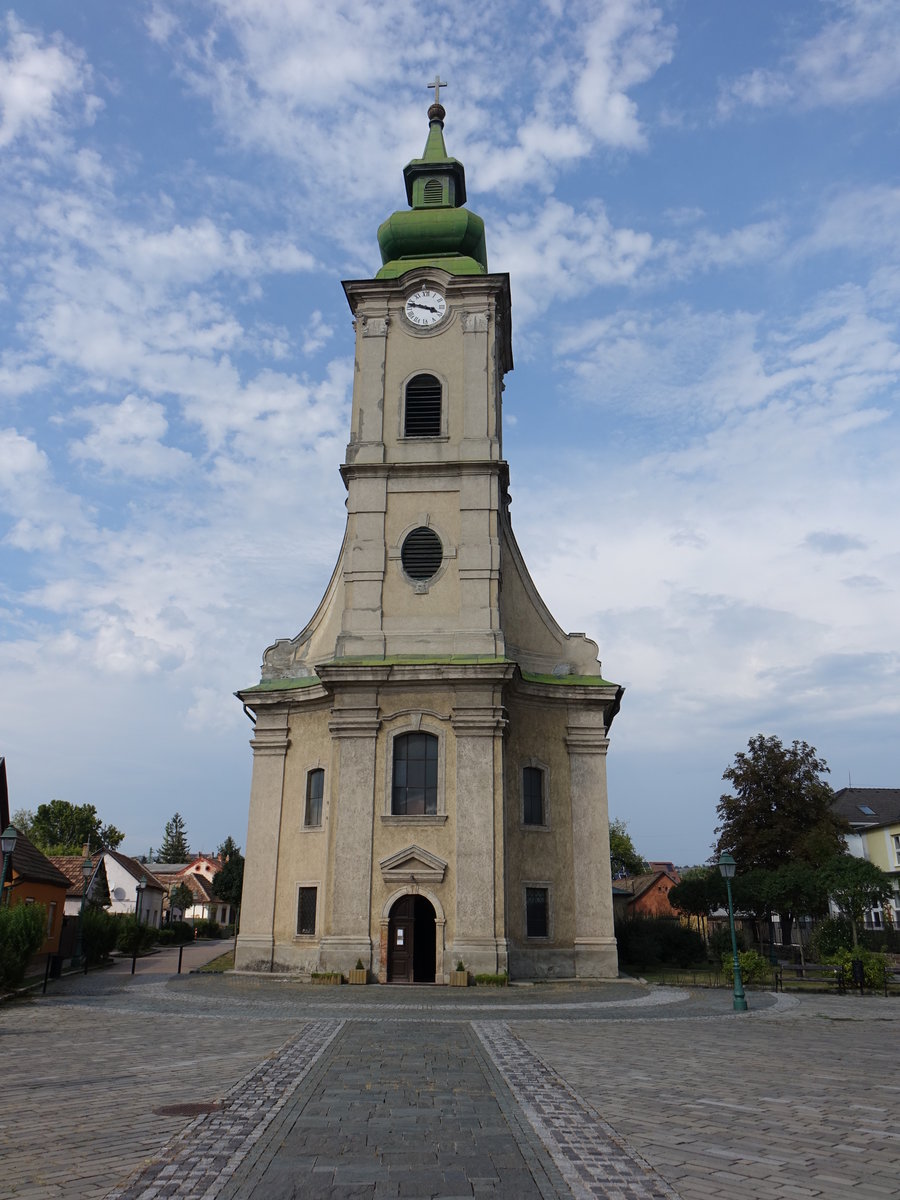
[(427, 307)]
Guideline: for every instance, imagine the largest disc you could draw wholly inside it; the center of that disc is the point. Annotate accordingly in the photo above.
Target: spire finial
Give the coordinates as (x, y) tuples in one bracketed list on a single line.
[(437, 83), (436, 111)]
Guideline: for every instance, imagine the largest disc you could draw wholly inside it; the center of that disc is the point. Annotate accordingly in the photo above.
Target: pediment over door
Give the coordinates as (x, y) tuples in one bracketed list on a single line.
[(413, 865)]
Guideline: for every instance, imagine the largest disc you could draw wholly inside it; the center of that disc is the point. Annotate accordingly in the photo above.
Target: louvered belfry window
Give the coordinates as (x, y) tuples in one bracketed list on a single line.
[(421, 553), (434, 192), (422, 416)]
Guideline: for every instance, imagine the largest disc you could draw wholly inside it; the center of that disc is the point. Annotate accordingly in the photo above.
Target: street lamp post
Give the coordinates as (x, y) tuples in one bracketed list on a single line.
[(728, 866), (139, 892), (87, 869), (7, 845)]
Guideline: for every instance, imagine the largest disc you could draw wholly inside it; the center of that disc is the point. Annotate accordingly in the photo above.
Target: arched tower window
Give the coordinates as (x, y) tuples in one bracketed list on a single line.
[(415, 779), (434, 192), (422, 412)]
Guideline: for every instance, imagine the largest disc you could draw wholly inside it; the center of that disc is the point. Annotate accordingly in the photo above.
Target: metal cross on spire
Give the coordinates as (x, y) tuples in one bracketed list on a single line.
[(437, 84)]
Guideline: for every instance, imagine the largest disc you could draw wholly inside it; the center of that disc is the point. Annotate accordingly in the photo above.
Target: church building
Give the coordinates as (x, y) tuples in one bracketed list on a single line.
[(429, 753)]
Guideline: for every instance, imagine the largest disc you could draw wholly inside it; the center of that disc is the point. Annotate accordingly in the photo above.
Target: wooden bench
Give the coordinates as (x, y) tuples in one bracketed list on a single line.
[(808, 973)]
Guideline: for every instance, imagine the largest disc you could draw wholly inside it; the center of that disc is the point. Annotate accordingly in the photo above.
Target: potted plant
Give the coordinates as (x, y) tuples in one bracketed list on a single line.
[(459, 977), (358, 974)]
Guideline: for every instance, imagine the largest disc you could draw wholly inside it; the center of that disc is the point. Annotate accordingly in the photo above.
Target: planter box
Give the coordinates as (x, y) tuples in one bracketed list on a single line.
[(326, 977), (459, 978), (357, 975)]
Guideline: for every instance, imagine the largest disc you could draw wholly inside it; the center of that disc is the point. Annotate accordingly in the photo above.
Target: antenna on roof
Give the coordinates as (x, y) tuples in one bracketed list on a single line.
[(849, 780)]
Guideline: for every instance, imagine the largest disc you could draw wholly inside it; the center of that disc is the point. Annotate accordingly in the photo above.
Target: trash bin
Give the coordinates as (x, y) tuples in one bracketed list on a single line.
[(859, 973)]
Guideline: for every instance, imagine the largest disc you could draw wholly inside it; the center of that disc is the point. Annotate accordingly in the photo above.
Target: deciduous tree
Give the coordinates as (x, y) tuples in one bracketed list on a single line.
[(856, 885), (623, 856), (780, 809), (59, 827)]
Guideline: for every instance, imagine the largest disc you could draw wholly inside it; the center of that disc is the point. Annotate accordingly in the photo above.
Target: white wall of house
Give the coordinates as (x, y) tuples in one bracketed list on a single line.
[(123, 893)]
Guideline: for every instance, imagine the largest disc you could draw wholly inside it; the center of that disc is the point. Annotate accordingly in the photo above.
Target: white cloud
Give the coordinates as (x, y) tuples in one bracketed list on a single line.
[(559, 252), (127, 437), (41, 79), (851, 59), (624, 46)]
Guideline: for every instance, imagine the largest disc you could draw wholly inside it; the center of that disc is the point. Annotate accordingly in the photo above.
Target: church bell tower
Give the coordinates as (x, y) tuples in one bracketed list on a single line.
[(429, 779)]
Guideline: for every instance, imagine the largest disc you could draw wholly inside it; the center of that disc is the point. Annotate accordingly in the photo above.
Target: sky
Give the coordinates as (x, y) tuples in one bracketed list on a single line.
[(698, 206)]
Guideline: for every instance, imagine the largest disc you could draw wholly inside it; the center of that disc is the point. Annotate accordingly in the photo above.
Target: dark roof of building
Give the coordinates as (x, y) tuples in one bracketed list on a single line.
[(30, 864), (868, 808), (201, 888), (70, 865), (636, 885), (136, 868)]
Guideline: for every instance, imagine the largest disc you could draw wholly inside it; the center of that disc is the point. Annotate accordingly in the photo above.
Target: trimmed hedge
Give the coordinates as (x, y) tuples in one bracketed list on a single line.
[(22, 929), (658, 941)]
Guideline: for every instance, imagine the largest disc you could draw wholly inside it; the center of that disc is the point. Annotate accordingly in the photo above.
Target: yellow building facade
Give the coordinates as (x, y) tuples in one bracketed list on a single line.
[(429, 775)]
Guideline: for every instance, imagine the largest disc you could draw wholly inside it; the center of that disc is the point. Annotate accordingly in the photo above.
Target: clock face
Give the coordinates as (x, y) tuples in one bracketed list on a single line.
[(426, 307)]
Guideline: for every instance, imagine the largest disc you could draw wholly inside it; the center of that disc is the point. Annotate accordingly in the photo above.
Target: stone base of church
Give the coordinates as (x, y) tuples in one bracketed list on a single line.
[(596, 959), (482, 956), (338, 953), (253, 953)]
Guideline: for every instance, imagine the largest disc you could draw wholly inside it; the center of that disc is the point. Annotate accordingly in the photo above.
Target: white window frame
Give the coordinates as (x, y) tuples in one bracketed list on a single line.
[(541, 766), (307, 883), (548, 888)]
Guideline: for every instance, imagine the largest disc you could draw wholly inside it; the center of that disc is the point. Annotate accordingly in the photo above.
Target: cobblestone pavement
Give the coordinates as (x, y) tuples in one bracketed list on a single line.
[(250, 1088)]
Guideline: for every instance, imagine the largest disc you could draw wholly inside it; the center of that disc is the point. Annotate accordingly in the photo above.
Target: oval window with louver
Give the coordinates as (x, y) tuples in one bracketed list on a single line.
[(422, 553), (422, 412)]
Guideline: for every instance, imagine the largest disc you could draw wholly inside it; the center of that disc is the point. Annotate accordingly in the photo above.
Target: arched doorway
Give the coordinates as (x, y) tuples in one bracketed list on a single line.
[(411, 941)]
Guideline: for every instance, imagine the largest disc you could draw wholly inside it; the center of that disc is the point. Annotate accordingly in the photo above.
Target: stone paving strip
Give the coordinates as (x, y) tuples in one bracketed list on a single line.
[(592, 1159), (417, 1113), (197, 1162)]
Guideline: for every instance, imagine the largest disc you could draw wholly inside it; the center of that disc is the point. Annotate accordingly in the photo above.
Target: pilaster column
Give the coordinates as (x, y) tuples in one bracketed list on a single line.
[(479, 440), (595, 943), (354, 727), (479, 843), (367, 421), (256, 940)]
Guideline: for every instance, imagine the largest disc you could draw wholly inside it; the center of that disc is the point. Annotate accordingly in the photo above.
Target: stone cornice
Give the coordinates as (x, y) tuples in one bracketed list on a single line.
[(274, 742), (451, 469), (354, 722), (582, 739), (477, 721)]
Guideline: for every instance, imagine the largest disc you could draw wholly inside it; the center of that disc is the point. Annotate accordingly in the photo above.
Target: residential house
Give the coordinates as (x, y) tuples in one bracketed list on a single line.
[(97, 889), (123, 875), (645, 895), (197, 875), (31, 878), (874, 818)]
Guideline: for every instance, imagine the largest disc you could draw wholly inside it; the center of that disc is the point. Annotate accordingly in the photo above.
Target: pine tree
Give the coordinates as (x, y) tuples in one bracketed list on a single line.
[(175, 847)]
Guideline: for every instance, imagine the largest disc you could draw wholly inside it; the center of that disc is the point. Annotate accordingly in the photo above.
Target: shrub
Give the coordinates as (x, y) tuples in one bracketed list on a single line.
[(487, 980), (99, 933), (182, 931), (875, 966), (134, 937), (754, 968), (165, 936), (720, 942), (658, 941), (22, 930), (830, 937), (207, 929)]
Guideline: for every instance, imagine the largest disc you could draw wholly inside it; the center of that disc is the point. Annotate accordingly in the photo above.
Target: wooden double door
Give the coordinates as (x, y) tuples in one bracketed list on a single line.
[(411, 941)]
